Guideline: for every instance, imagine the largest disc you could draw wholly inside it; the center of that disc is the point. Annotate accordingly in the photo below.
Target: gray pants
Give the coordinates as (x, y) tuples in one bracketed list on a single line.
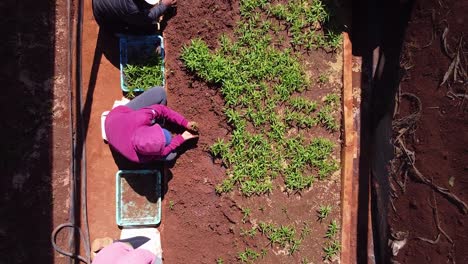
[(155, 95)]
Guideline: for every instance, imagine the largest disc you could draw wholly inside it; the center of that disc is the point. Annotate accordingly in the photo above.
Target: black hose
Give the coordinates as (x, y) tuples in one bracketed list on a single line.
[(79, 75), (71, 235), (53, 238), (73, 142)]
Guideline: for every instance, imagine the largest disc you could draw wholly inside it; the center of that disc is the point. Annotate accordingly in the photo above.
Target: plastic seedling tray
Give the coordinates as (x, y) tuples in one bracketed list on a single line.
[(138, 197), (134, 48)]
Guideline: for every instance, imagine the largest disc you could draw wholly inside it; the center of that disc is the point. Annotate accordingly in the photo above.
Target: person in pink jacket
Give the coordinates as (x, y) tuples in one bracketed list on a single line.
[(124, 253), (135, 130)]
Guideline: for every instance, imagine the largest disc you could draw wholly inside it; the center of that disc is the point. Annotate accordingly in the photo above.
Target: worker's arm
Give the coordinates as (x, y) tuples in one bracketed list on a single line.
[(162, 111), (157, 11), (146, 17), (140, 256), (175, 143), (112, 253)]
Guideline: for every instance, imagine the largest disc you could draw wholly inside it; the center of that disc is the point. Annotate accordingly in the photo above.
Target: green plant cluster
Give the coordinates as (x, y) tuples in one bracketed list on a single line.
[(333, 246), (283, 236), (326, 115), (248, 255), (303, 19), (331, 249), (248, 232), (304, 157), (332, 229), (301, 113), (144, 74), (323, 212), (262, 87), (246, 213)]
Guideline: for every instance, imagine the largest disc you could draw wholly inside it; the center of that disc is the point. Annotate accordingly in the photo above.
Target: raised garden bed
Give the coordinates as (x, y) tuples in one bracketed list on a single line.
[(264, 183)]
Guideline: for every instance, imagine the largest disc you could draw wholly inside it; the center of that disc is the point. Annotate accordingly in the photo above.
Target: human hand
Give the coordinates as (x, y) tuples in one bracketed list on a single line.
[(192, 126), (187, 135), (169, 2)]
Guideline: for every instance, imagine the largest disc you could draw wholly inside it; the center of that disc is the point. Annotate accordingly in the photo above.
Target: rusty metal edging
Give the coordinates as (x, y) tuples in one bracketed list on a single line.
[(348, 156)]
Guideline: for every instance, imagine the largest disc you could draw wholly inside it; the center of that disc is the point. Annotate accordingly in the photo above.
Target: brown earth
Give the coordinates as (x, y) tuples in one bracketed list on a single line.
[(440, 140), (200, 220), (198, 226)]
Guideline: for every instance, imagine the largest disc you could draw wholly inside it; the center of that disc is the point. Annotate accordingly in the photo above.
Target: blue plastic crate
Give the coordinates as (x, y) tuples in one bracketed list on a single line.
[(138, 197), (138, 46)]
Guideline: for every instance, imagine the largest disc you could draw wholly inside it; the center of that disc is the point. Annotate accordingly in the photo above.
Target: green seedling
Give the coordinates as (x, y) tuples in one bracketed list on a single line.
[(171, 205), (245, 214), (303, 105), (326, 118), (323, 212), (279, 11), (331, 250), (143, 74), (248, 256), (326, 114), (220, 148), (225, 186), (219, 260), (332, 229), (332, 99), (305, 24), (300, 120), (323, 78), (333, 40), (326, 167), (283, 236), (305, 230), (294, 246), (296, 180), (249, 232), (265, 228)]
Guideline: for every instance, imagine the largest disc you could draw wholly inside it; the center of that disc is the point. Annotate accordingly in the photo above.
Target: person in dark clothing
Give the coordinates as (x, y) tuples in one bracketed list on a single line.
[(130, 16)]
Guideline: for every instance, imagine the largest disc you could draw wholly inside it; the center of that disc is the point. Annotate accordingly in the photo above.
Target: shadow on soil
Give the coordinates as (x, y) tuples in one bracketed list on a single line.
[(107, 45), (377, 35), (124, 164), (27, 75)]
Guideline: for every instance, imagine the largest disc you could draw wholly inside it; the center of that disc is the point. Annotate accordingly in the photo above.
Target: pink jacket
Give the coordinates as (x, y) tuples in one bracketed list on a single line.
[(131, 133), (121, 253)]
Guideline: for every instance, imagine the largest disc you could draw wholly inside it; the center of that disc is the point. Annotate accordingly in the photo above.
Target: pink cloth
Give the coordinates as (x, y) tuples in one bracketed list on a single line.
[(131, 133), (121, 253)]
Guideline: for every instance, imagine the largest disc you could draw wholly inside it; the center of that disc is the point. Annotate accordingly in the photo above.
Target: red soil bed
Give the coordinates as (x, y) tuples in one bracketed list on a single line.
[(440, 141), (202, 226)]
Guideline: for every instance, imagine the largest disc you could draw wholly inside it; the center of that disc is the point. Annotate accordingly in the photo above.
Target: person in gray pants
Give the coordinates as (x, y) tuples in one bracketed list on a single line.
[(137, 130)]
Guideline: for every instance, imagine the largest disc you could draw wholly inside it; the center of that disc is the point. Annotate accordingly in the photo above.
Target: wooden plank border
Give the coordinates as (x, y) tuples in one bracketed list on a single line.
[(348, 155)]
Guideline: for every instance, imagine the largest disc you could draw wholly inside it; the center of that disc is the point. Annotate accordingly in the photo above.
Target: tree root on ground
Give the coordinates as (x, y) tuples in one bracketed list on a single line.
[(445, 192), (407, 125), (436, 219), (433, 242)]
